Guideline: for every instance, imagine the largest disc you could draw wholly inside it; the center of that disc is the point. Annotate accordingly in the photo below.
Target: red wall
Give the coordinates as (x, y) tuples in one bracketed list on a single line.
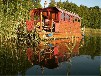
[(68, 26)]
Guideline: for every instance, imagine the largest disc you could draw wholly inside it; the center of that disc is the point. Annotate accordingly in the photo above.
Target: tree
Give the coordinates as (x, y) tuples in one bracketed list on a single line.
[(52, 3), (60, 4), (12, 13), (37, 4)]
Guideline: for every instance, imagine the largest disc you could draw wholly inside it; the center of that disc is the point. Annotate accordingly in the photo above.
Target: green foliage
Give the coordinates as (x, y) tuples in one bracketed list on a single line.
[(37, 4), (12, 13), (60, 4), (52, 3)]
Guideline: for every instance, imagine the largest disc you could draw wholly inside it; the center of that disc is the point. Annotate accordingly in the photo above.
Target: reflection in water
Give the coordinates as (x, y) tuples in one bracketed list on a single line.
[(91, 46), (52, 57), (29, 53), (51, 54)]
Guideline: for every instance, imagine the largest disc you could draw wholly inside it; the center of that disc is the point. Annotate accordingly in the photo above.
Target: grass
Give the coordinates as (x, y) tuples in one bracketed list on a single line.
[(92, 32)]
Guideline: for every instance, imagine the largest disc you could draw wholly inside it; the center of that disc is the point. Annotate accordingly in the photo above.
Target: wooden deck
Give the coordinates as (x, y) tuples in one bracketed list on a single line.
[(60, 35)]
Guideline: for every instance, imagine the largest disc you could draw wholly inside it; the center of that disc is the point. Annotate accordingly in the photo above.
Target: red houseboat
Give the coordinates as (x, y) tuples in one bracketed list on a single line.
[(55, 23)]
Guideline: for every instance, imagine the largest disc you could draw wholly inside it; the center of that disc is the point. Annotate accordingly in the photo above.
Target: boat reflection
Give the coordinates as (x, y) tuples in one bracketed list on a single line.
[(51, 54)]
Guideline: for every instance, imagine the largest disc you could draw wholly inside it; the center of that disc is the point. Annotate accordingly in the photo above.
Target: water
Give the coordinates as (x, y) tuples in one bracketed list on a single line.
[(76, 57)]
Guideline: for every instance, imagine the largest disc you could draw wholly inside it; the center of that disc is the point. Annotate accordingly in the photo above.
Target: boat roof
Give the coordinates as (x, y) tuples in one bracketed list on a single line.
[(60, 10)]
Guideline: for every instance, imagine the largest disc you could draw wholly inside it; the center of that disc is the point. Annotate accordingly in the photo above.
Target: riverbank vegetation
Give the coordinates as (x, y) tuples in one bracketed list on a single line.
[(12, 13)]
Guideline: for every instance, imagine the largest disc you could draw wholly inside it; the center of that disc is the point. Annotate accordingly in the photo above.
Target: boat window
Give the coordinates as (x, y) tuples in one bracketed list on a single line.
[(62, 16), (36, 16), (44, 13), (54, 16), (67, 17), (75, 19), (78, 20)]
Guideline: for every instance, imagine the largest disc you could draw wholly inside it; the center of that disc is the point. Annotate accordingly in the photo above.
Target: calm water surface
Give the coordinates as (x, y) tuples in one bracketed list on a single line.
[(75, 57)]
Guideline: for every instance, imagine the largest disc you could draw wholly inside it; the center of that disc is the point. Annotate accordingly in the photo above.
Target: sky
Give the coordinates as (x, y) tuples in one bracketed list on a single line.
[(88, 3)]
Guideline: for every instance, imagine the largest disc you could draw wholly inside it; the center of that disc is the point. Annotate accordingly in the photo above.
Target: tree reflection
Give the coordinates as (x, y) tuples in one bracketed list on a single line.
[(91, 47), (13, 59)]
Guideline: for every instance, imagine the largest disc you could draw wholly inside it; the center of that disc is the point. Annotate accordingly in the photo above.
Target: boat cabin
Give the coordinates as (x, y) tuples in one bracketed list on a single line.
[(54, 19)]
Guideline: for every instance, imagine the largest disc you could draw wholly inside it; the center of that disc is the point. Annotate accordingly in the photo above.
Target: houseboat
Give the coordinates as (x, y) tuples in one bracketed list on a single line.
[(53, 22)]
